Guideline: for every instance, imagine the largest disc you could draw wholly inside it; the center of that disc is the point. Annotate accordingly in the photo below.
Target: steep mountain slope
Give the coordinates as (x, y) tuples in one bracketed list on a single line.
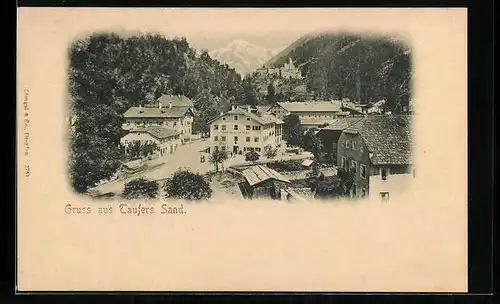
[(243, 56), (365, 68)]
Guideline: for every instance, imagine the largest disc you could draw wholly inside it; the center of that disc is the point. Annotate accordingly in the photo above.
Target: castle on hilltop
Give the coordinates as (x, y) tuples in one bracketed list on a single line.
[(287, 71)]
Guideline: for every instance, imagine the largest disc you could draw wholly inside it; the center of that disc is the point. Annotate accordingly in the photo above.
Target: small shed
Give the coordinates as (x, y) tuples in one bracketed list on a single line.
[(307, 162), (134, 166), (261, 181)]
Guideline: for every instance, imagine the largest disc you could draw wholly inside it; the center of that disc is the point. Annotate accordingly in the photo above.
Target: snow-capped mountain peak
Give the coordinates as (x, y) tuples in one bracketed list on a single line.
[(243, 56)]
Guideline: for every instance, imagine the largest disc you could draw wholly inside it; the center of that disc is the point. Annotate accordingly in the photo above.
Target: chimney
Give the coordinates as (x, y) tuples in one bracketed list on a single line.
[(232, 107), (170, 105), (140, 107), (221, 113), (249, 109), (159, 104)]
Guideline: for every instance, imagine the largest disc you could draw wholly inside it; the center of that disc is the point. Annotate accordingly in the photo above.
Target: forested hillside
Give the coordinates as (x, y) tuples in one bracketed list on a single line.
[(108, 74), (358, 67)]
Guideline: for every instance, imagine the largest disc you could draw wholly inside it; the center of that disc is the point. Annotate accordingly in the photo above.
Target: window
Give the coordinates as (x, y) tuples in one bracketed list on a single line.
[(175, 123), (257, 149), (342, 162), (248, 127), (354, 191), (236, 127), (223, 138), (223, 127), (347, 144), (216, 138), (216, 127), (235, 117), (354, 166), (248, 119), (384, 196), (362, 171), (223, 118), (384, 172), (353, 145), (256, 139), (236, 138), (248, 139)]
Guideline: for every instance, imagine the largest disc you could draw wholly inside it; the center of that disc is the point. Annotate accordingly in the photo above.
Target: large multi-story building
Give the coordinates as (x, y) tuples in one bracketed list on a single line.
[(377, 150), (168, 111), (319, 110), (240, 130)]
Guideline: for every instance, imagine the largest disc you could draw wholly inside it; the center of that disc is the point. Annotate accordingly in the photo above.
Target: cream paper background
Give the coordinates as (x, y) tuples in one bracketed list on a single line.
[(416, 244)]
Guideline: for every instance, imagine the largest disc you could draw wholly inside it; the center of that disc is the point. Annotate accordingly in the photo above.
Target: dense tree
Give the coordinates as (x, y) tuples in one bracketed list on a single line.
[(251, 156), (141, 189), (149, 148), (187, 185), (334, 186), (108, 74), (218, 157), (340, 65), (133, 149), (270, 152), (312, 143), (292, 131), (271, 97), (315, 176)]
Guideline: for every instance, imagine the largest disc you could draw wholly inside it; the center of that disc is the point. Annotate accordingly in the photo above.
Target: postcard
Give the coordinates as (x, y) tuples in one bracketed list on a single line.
[(242, 149)]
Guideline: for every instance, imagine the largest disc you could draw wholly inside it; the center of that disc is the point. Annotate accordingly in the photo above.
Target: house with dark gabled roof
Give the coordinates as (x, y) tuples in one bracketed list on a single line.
[(329, 135), (377, 151)]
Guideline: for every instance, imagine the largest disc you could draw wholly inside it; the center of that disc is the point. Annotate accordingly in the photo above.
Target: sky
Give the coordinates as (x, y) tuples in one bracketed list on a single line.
[(212, 28)]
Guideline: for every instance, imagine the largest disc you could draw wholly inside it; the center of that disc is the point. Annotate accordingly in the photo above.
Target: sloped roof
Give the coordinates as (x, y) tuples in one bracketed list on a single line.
[(263, 109), (312, 106), (262, 119), (340, 124), (164, 112), (315, 120), (388, 137), (158, 132), (176, 100), (257, 174), (134, 164)]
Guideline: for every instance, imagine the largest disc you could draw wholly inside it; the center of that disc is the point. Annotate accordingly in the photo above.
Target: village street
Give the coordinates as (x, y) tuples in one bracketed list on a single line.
[(186, 156)]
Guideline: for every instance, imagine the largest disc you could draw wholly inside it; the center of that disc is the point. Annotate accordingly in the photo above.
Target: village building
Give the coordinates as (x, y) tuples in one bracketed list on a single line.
[(356, 107), (329, 135), (263, 182), (288, 71), (173, 112), (241, 130), (311, 113), (166, 139), (376, 150), (318, 123)]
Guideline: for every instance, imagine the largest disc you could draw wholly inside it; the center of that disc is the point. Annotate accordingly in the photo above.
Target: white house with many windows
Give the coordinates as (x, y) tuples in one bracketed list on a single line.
[(245, 129)]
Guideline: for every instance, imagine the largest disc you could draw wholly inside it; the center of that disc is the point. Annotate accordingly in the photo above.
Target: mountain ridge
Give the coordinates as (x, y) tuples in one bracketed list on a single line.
[(245, 57)]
